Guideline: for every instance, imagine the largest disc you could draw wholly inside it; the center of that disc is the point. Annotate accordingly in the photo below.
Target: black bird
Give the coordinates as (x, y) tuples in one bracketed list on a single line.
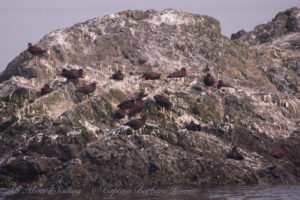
[(136, 108), (234, 154), (163, 101), (136, 124), (209, 80), (34, 50), (120, 114), (46, 89), (221, 83), (72, 73), (180, 73), (87, 89), (118, 75), (193, 127), (125, 105), (151, 76)]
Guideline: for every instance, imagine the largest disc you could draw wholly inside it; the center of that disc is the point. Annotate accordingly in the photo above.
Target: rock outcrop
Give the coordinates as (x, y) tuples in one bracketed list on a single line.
[(67, 138)]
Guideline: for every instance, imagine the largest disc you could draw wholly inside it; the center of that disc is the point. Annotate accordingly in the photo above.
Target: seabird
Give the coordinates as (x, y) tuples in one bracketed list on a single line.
[(209, 80), (151, 76), (34, 50), (180, 73), (72, 73), (136, 124), (118, 75), (87, 89), (163, 101), (46, 89)]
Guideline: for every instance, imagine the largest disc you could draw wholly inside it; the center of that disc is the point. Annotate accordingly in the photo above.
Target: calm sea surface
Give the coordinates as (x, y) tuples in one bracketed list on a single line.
[(257, 192)]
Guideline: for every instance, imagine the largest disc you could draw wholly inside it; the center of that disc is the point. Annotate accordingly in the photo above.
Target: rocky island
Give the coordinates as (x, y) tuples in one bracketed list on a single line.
[(247, 133)]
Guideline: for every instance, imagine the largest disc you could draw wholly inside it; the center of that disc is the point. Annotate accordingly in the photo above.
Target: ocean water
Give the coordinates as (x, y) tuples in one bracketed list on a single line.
[(253, 192)]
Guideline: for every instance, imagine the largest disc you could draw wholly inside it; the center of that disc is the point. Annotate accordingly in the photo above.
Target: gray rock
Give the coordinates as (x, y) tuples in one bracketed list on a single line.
[(67, 138)]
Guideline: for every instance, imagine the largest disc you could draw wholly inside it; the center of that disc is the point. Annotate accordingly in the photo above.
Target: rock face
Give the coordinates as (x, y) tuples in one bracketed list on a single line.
[(66, 138), (284, 23)]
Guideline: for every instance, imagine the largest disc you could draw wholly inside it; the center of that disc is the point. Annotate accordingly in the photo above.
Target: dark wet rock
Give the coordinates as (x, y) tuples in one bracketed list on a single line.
[(235, 154), (65, 138), (239, 35), (28, 168), (192, 126), (5, 125)]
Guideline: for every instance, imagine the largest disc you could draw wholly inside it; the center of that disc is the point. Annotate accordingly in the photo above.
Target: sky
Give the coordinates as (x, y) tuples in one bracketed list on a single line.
[(24, 21)]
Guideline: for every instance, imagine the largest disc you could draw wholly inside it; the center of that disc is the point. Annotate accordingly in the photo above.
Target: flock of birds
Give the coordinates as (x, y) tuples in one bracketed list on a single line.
[(134, 106)]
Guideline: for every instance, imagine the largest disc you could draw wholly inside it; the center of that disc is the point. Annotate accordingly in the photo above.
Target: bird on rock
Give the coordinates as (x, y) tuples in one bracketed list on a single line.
[(72, 73), (120, 114), (87, 89), (151, 76), (209, 80), (46, 89), (136, 108), (221, 84), (118, 75), (127, 104), (34, 50), (136, 124), (234, 154), (163, 101), (180, 73)]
